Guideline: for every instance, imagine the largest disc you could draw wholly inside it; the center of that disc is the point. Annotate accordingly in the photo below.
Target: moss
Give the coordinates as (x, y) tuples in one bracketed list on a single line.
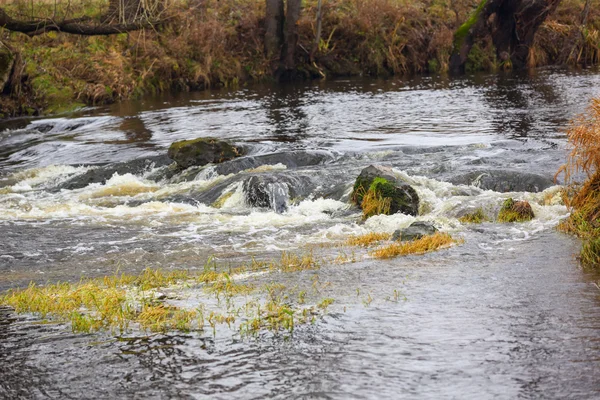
[(58, 97), (476, 217), (360, 189), (186, 143), (462, 32), (6, 59), (433, 65), (515, 211)]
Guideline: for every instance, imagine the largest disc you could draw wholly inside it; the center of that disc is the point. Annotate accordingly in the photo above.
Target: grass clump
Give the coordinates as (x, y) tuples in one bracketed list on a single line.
[(164, 318), (89, 306), (583, 199), (515, 211), (367, 239), (131, 302), (423, 245), (476, 217), (374, 203), (291, 262)]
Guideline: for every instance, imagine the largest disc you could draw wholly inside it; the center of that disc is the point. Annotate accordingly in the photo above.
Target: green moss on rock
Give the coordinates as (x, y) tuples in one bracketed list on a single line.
[(462, 32), (376, 191), (515, 211), (202, 151)]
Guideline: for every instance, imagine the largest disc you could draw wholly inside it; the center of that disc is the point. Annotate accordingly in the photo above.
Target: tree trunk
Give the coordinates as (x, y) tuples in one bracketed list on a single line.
[(274, 28), (585, 13), (294, 7), (512, 25), (315, 47)]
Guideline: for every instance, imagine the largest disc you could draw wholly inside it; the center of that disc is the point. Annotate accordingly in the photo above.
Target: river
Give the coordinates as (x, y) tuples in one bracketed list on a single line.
[(507, 314)]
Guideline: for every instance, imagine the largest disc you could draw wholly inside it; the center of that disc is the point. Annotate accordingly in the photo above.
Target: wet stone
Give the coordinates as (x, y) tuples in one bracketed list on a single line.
[(202, 151), (403, 197), (415, 231), (504, 181)]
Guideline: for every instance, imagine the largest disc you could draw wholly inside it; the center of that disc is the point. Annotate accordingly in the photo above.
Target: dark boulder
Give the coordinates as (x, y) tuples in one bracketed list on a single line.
[(275, 191), (376, 185), (415, 231), (504, 181), (202, 151), (291, 159)]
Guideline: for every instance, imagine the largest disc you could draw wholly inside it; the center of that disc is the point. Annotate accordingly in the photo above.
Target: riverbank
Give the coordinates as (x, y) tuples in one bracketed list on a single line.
[(220, 43), (584, 197)]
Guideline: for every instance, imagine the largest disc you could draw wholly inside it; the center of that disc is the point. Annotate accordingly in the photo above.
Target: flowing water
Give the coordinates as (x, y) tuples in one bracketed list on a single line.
[(507, 314)]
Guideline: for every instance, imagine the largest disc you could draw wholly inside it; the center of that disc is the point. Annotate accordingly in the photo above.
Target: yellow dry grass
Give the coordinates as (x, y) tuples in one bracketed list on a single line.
[(374, 203), (584, 199), (426, 244), (367, 239)]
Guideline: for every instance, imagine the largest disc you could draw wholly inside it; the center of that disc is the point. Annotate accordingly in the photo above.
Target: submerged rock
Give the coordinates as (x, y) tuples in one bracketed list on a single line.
[(515, 211), (103, 173), (504, 181), (291, 159), (202, 151), (378, 191), (415, 231)]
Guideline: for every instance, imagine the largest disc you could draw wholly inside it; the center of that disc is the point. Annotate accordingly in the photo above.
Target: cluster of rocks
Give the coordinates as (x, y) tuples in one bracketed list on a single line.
[(377, 189)]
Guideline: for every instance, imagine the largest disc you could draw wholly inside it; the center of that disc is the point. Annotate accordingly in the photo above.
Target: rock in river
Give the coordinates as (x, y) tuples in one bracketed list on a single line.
[(380, 183), (274, 191), (504, 181), (202, 151), (415, 231)]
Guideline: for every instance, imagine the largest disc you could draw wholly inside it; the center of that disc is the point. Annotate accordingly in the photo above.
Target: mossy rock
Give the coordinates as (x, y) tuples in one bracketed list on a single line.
[(515, 211), (202, 151), (378, 191)]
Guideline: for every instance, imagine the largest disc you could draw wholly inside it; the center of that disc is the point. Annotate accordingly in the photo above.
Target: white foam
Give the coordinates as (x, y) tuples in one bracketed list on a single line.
[(29, 179)]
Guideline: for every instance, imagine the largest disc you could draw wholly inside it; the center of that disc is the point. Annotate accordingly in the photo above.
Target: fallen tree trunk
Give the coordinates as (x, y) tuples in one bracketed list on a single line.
[(74, 26)]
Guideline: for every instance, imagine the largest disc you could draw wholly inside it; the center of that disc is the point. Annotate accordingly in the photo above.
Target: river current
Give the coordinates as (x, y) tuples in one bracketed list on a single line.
[(507, 314)]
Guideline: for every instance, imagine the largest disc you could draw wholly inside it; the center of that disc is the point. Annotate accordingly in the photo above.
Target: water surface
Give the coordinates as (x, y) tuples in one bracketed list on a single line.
[(508, 314)]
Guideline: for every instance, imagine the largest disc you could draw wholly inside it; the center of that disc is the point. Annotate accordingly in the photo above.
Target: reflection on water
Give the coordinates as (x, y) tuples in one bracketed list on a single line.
[(342, 114)]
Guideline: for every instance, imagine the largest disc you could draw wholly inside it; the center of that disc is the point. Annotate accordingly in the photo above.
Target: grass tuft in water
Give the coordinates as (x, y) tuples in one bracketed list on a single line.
[(476, 217), (367, 239), (128, 302), (583, 199), (515, 211), (373, 203), (425, 244)]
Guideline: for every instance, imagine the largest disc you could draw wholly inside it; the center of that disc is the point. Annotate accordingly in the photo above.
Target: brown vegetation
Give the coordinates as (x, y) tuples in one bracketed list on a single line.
[(221, 43), (583, 198)]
